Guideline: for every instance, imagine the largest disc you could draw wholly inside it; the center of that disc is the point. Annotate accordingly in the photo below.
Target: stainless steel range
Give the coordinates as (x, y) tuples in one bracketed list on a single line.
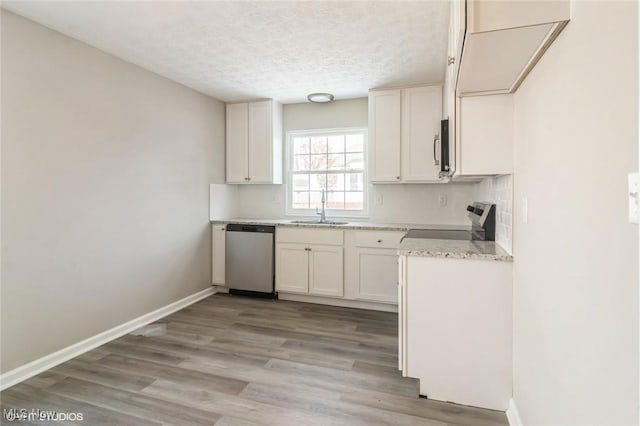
[(483, 226)]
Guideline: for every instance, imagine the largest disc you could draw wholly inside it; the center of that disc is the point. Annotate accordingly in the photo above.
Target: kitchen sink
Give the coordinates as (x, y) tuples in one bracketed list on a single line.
[(317, 222)]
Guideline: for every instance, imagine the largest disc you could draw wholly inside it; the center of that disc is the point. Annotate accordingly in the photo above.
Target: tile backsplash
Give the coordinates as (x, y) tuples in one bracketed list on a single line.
[(426, 204), (441, 204), (499, 190)]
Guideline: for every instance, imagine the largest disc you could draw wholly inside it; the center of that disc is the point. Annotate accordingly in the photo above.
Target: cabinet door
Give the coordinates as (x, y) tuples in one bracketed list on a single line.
[(260, 142), (326, 271), (421, 115), (237, 143), (292, 268), (218, 236), (384, 136), (377, 274)]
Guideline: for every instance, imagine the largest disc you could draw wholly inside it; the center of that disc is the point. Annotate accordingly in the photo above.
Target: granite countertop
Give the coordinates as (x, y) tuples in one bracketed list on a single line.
[(453, 249), (349, 225)]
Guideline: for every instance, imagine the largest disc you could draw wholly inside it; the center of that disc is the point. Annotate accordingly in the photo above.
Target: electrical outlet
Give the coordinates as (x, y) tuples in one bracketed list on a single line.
[(634, 202), (442, 200), (379, 199)]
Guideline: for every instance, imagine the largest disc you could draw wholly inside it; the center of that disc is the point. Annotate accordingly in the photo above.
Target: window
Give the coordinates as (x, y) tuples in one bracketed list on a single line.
[(327, 160)]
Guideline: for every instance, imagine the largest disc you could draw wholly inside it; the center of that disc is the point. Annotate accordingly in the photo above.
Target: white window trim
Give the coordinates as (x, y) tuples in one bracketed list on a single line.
[(331, 213)]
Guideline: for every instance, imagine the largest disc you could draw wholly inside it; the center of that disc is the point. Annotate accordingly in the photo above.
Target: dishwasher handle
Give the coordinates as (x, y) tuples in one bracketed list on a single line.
[(237, 227)]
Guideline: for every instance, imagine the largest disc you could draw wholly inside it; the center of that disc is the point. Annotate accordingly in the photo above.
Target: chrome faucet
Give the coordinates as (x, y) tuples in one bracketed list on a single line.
[(323, 217)]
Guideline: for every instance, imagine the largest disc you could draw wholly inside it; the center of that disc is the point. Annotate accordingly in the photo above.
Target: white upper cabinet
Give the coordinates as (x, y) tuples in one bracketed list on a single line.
[(384, 135), (503, 42), (237, 143), (421, 114), (484, 135), (492, 47), (404, 132), (254, 142)]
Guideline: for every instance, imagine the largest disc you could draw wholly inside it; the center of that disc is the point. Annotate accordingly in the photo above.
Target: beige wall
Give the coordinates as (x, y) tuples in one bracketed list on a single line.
[(576, 260), (105, 184), (416, 203), (338, 114)]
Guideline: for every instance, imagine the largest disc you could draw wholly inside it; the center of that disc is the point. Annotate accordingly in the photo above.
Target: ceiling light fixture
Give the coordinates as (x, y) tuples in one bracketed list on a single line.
[(321, 98)]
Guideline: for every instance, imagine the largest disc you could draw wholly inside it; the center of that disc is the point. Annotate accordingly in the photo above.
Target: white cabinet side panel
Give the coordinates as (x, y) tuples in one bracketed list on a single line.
[(459, 330)]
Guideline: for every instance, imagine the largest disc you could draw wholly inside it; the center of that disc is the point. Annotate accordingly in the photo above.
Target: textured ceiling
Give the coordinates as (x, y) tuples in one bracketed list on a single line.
[(235, 50)]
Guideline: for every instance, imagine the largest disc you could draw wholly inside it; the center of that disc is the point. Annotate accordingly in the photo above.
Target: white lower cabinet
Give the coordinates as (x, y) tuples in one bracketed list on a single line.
[(359, 267), (218, 250), (372, 265), (455, 329), (309, 262), (292, 268), (377, 278), (326, 271)]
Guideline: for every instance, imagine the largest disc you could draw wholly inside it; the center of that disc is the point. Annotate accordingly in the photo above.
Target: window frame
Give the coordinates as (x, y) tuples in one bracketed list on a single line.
[(289, 210)]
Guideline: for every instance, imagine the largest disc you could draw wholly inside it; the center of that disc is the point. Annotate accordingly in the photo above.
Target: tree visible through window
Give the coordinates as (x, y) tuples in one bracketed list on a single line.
[(331, 161)]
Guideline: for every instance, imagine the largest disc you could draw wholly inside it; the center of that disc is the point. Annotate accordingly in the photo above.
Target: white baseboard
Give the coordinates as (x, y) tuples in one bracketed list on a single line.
[(513, 416), (385, 307), (26, 371)]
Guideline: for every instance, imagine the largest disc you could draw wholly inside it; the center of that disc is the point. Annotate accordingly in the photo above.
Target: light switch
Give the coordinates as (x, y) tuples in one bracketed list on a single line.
[(634, 207), (379, 199)]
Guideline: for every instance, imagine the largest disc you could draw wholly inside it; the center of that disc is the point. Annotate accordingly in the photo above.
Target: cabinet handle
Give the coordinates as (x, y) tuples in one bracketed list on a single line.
[(398, 177), (379, 241), (436, 139)]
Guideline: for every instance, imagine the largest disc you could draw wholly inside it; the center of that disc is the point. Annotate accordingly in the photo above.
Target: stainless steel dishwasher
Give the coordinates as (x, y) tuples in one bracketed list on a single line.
[(250, 263)]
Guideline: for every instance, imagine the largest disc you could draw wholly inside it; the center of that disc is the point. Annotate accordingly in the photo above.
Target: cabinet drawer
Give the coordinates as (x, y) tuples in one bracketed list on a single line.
[(379, 239), (309, 236)]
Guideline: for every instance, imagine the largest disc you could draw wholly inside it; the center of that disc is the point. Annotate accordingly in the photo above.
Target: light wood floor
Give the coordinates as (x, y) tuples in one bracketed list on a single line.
[(237, 361)]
